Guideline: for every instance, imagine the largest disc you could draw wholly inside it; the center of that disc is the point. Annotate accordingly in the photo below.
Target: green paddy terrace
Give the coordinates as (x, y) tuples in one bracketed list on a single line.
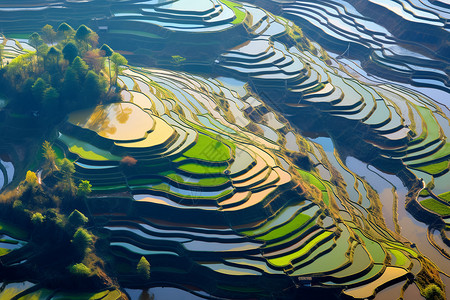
[(205, 193), (210, 192)]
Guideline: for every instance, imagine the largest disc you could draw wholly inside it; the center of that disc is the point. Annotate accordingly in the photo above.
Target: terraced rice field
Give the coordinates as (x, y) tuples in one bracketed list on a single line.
[(230, 203), (227, 196)]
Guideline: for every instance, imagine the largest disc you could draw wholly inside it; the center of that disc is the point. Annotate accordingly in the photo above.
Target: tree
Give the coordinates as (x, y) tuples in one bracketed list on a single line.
[(41, 51), (31, 178), (50, 100), (107, 53), (84, 188), (70, 51), (83, 32), (80, 67), (94, 60), (35, 40), (433, 292), (53, 55), (118, 60), (37, 218), (79, 269), (67, 169), (50, 157), (38, 89), (91, 88), (25, 93), (93, 39), (82, 240), (77, 219), (143, 268), (64, 30), (48, 34), (82, 36), (71, 85)]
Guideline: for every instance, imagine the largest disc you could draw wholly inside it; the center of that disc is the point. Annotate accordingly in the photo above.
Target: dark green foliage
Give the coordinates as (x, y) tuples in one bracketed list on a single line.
[(37, 218), (91, 88), (433, 292), (64, 30), (118, 60), (64, 27), (80, 67), (108, 51), (48, 34), (79, 269), (143, 268), (82, 240), (71, 86), (84, 188), (77, 219), (50, 158), (82, 33), (50, 101), (35, 40), (66, 167), (70, 51), (42, 87), (53, 52), (38, 89)]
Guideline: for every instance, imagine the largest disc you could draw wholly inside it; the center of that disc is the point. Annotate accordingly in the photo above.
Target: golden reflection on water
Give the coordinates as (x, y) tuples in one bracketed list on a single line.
[(123, 114), (118, 121)]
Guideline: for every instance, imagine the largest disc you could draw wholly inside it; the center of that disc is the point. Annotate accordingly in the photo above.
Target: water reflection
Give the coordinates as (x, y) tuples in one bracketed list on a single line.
[(122, 115), (165, 293), (410, 228)]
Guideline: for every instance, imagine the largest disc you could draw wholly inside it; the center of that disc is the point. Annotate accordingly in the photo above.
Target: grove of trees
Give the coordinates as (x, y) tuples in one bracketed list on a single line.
[(66, 72)]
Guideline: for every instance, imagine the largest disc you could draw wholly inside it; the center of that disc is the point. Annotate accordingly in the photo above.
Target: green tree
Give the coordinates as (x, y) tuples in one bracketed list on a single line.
[(48, 34), (77, 219), (64, 30), (50, 157), (31, 178), (82, 36), (433, 292), (53, 56), (92, 88), (70, 51), (26, 91), (50, 100), (143, 268), (41, 53), (83, 32), (35, 40), (79, 269), (38, 89), (37, 218), (71, 86), (67, 168), (84, 188), (118, 60), (82, 240), (80, 67), (107, 53)]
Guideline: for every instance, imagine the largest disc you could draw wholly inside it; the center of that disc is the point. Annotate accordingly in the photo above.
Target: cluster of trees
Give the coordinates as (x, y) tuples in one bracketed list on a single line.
[(67, 71), (46, 203)]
